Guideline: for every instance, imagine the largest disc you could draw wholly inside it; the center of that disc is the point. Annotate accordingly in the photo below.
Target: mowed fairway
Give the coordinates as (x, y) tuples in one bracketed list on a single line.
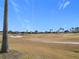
[(32, 49)]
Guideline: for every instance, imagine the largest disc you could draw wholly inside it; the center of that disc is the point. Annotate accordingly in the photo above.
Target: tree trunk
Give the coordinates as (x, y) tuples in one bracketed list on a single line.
[(4, 47)]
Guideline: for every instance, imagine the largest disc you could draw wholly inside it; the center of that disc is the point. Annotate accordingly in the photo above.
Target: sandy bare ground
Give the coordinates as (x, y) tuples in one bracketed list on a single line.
[(45, 46), (18, 36), (45, 41), (0, 35), (48, 41)]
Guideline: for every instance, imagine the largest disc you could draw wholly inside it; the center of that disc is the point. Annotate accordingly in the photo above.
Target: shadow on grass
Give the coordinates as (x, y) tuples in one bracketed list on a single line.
[(12, 54)]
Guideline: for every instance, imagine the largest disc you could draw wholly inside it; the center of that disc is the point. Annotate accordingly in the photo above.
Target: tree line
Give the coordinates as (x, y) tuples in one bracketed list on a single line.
[(60, 30)]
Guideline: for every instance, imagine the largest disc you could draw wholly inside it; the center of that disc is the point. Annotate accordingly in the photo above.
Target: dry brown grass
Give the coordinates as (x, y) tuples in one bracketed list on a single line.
[(54, 37), (38, 50)]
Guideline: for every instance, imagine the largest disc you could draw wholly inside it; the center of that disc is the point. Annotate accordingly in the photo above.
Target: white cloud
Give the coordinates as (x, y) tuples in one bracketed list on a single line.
[(61, 5), (64, 4), (15, 6)]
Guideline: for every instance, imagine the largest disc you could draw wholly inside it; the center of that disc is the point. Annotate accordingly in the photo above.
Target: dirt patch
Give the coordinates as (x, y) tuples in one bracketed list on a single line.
[(57, 42), (12, 54), (16, 36)]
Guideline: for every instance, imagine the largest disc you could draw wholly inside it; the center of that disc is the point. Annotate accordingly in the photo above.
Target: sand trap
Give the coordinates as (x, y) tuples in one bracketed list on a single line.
[(17, 36)]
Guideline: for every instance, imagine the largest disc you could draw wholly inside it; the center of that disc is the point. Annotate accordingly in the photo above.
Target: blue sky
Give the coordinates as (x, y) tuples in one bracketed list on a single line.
[(40, 15)]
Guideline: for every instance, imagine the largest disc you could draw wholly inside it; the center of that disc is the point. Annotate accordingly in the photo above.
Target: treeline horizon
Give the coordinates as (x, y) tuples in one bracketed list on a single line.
[(60, 30)]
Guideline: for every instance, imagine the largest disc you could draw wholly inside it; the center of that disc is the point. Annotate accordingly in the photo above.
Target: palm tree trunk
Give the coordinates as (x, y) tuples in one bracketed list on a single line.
[(4, 47)]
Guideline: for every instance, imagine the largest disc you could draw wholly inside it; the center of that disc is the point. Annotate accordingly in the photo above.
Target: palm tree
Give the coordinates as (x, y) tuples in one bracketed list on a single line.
[(4, 47)]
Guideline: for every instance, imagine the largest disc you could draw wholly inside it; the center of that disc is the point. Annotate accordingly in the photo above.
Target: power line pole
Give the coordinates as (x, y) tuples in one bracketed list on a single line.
[(4, 47)]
